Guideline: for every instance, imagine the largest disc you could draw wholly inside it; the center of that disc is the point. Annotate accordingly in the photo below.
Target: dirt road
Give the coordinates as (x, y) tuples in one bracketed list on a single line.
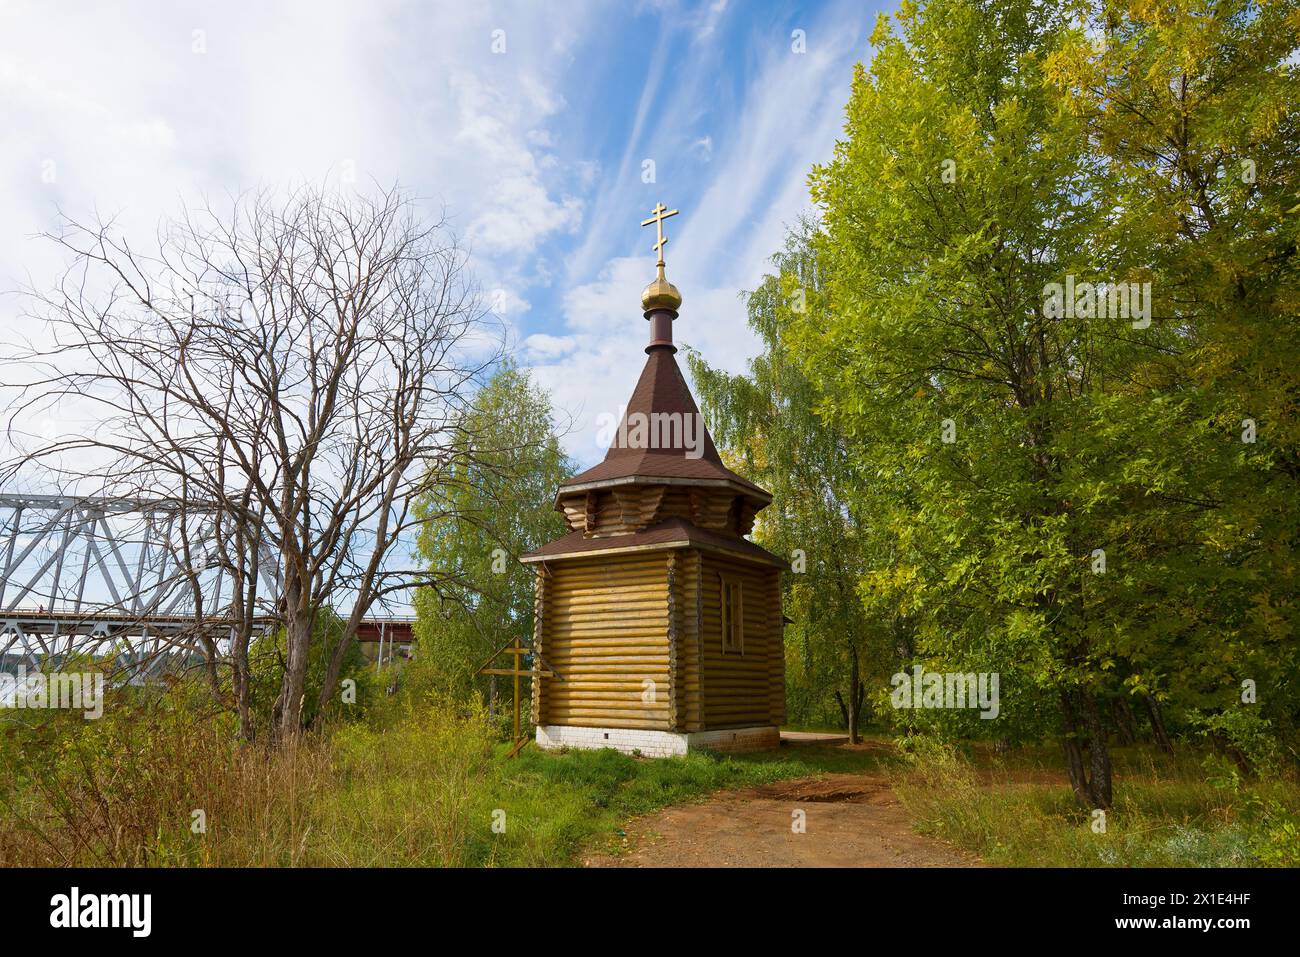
[(850, 820)]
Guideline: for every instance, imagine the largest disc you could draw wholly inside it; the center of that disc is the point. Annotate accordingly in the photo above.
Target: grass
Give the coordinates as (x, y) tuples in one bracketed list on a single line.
[(559, 805), (158, 786), (155, 784), (429, 785), (1168, 811)]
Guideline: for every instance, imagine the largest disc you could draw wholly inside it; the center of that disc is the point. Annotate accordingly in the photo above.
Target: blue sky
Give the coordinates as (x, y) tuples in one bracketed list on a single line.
[(536, 153)]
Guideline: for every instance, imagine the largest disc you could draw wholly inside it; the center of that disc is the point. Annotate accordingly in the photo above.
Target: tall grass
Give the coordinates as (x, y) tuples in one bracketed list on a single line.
[(420, 782), (155, 783), (1177, 811), (423, 782)]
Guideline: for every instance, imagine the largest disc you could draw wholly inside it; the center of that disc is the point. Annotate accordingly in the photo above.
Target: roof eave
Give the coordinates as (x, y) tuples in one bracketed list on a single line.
[(766, 558), (752, 491)]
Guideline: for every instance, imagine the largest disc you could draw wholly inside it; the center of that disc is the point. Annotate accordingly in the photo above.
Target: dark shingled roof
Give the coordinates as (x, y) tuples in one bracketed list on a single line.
[(672, 531), (661, 388)]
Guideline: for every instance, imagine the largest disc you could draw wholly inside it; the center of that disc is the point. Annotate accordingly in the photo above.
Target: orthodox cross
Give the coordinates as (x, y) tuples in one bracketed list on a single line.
[(519, 650), (661, 212)]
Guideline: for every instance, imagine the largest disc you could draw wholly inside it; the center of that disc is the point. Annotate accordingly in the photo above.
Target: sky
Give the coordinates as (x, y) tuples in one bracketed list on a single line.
[(545, 131)]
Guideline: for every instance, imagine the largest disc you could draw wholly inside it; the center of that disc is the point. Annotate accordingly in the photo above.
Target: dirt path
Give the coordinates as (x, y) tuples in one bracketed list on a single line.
[(851, 820)]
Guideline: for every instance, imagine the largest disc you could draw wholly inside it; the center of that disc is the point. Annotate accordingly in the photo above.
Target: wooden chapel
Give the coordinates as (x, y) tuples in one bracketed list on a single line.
[(659, 620)]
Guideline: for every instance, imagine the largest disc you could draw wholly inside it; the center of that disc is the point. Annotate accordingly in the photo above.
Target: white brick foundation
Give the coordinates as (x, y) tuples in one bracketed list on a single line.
[(657, 744)]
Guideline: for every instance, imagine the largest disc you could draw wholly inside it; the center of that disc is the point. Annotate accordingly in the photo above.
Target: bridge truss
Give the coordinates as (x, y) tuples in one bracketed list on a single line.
[(145, 575)]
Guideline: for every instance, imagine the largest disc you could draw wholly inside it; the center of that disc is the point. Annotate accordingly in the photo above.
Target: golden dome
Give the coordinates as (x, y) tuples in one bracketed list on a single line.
[(661, 294)]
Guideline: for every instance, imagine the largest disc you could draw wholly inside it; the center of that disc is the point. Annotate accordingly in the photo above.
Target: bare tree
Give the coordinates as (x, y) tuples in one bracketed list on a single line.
[(300, 365)]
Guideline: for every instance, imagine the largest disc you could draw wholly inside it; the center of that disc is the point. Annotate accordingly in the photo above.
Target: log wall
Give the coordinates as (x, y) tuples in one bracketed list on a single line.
[(608, 624), (687, 678), (605, 630), (746, 687)]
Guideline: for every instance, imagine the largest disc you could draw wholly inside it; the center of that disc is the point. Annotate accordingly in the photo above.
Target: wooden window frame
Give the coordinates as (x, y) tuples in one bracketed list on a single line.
[(731, 614)]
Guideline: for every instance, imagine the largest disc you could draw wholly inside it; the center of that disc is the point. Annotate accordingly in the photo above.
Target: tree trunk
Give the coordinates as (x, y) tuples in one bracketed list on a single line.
[(1073, 752), (1092, 786), (240, 682), (288, 707), (1158, 725), (852, 710), (1099, 785), (855, 701), (859, 697), (1124, 723)]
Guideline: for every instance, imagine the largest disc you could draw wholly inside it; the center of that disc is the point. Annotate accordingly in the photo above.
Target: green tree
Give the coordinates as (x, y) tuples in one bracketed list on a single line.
[(1037, 466), (355, 687), (1191, 106), (497, 506), (768, 424)]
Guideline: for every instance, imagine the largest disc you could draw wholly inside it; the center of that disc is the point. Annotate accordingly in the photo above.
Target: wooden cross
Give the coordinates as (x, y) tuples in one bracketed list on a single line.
[(516, 648), (661, 212)]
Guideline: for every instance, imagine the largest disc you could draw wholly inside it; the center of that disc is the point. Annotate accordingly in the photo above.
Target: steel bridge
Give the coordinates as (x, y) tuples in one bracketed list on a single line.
[(79, 571), (142, 574)]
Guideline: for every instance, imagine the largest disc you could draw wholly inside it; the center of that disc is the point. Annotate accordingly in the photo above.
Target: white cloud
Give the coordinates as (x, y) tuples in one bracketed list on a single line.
[(786, 119), (589, 381), (134, 121), (605, 306), (506, 303), (520, 216), (542, 347), (708, 20)]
